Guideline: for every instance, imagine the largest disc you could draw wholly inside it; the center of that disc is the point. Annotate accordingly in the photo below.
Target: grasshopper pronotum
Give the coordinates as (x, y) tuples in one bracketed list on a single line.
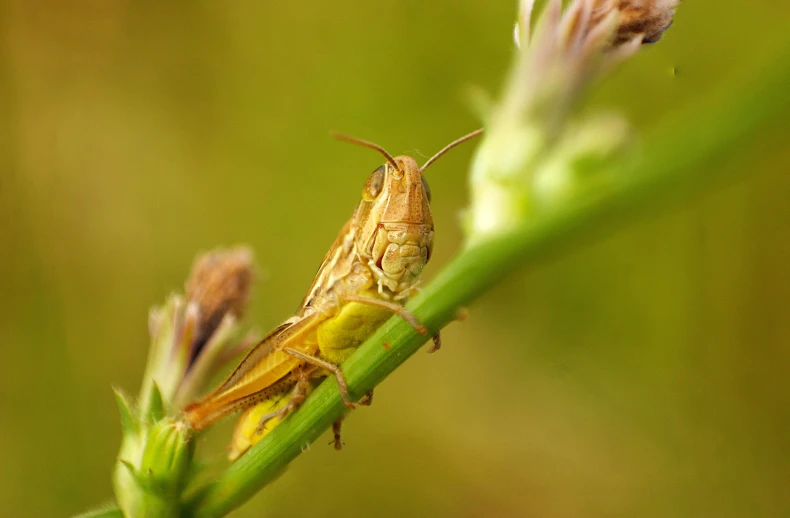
[(373, 266)]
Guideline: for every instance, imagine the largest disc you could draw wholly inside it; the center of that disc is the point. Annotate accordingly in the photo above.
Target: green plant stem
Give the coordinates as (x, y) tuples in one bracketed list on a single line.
[(676, 162), (109, 511)]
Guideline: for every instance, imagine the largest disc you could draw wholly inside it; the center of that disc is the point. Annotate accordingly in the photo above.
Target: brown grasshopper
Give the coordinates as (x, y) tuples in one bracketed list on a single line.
[(373, 266)]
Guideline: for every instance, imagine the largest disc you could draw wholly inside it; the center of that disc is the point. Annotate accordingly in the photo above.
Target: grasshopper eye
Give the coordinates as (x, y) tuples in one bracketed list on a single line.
[(374, 185), (426, 188)]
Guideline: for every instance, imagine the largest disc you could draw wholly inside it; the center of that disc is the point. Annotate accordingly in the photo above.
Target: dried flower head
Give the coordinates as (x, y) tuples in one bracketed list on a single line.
[(219, 284), (190, 342), (643, 20), (192, 337), (600, 24)]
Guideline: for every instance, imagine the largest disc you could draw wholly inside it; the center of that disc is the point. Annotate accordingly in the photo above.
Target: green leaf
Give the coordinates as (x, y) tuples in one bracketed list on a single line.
[(155, 407), (129, 423), (132, 471)]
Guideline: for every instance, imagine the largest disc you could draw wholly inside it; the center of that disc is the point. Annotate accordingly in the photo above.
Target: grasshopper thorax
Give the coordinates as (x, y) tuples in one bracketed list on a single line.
[(395, 226)]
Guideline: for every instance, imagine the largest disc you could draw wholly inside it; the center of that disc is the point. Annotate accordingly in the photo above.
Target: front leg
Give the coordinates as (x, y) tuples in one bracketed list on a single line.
[(461, 315), (392, 307)]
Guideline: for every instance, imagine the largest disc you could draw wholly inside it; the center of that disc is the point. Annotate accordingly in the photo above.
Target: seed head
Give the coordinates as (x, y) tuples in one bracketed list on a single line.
[(219, 284), (644, 20)]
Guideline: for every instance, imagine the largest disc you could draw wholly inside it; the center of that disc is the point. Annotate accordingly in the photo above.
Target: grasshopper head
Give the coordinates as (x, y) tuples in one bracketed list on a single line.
[(399, 195), (395, 227)]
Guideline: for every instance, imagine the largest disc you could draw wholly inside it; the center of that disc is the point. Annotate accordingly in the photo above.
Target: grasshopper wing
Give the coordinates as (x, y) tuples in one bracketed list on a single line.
[(260, 370)]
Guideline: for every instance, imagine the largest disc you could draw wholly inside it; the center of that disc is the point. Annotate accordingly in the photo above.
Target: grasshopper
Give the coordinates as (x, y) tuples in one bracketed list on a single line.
[(371, 269)]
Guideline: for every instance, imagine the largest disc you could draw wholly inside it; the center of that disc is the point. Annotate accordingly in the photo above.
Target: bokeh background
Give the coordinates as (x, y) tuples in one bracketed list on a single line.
[(642, 374)]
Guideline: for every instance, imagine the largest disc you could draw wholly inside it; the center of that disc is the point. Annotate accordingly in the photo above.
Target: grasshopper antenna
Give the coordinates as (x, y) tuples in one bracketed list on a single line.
[(371, 145), (450, 146)]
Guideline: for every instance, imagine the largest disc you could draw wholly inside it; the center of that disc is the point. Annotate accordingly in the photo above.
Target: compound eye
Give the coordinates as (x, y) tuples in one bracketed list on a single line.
[(426, 188), (374, 185)]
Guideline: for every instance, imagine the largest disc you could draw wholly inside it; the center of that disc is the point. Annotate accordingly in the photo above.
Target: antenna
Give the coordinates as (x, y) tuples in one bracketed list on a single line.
[(450, 146), (371, 145)]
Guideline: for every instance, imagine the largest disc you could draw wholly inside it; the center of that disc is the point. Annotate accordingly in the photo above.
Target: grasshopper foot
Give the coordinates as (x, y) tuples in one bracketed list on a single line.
[(265, 419), (336, 426), (437, 343), (367, 399)]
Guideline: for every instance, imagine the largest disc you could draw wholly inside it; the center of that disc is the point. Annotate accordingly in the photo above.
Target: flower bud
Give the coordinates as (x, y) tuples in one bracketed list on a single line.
[(166, 457), (528, 154)]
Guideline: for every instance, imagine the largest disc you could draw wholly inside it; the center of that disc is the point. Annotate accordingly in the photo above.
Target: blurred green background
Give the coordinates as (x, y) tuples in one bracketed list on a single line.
[(643, 374)]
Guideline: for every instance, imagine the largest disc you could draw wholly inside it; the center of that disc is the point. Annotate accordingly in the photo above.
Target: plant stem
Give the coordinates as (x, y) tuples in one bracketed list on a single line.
[(678, 161), (110, 511)]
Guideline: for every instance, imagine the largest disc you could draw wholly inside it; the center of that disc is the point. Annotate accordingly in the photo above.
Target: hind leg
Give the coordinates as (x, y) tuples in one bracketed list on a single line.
[(297, 397)]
